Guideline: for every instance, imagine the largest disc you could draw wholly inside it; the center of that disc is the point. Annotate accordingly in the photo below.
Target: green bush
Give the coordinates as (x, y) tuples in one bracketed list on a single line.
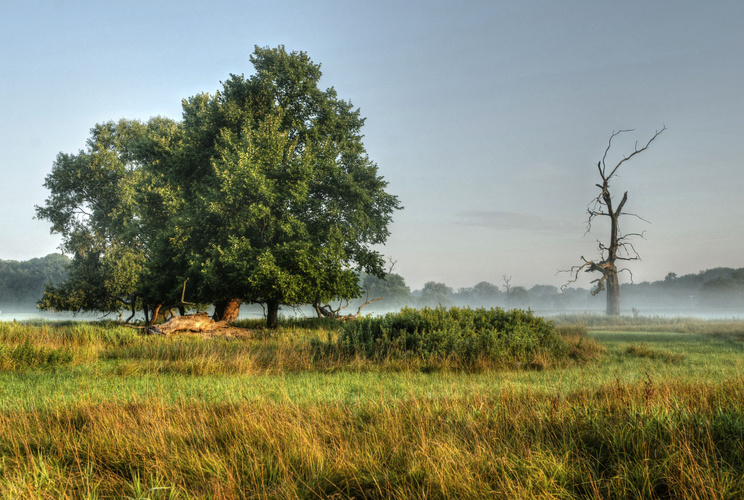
[(462, 334)]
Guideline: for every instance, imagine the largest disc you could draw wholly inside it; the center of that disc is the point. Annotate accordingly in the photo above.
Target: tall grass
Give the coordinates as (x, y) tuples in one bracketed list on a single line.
[(646, 440)]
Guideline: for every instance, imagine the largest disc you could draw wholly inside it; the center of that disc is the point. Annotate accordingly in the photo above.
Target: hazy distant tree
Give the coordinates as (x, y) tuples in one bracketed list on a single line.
[(507, 284), (617, 248), (392, 288), (486, 293), (435, 293), (463, 296), (518, 296), (724, 291), (543, 296), (22, 283), (573, 298)]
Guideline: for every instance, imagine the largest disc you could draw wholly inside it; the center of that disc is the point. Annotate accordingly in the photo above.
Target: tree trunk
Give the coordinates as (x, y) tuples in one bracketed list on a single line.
[(613, 294), (272, 314), (317, 308), (227, 310)]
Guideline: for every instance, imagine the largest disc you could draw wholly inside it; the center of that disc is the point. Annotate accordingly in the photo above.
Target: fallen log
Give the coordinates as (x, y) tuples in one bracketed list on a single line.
[(198, 322)]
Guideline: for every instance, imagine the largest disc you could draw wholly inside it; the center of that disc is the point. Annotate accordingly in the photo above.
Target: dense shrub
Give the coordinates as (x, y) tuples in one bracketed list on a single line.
[(462, 334)]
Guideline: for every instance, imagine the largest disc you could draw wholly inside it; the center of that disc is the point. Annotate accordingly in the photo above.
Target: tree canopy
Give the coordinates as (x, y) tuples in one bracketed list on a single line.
[(262, 193)]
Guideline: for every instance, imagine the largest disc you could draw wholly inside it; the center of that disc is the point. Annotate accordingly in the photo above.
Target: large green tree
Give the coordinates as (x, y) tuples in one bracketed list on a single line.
[(289, 206), (262, 193)]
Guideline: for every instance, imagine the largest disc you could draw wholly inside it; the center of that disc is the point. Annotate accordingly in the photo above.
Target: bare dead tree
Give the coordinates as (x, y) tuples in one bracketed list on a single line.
[(619, 247), (507, 285), (392, 263)]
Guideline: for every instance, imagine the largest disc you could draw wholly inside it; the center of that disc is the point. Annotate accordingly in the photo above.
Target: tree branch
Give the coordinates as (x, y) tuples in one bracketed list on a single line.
[(604, 157), (657, 133)]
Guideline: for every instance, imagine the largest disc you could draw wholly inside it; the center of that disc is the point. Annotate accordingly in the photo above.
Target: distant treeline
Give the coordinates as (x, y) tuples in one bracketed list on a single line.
[(712, 289), (22, 285), (718, 288)]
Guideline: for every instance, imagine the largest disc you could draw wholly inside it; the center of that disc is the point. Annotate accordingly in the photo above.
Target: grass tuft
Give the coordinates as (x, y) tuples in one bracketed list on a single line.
[(644, 351)]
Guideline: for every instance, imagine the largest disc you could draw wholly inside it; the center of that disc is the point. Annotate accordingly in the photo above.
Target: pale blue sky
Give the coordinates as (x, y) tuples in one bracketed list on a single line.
[(486, 117)]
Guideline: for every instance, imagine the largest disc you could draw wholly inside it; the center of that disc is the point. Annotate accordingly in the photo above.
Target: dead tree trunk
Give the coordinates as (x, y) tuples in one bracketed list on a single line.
[(618, 248), (613, 293), (227, 310)]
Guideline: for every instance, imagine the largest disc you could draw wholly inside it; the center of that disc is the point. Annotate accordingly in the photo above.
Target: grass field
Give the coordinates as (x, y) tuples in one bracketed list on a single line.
[(649, 408)]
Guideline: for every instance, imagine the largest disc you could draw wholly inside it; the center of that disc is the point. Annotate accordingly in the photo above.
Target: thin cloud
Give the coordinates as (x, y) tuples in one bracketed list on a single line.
[(495, 219)]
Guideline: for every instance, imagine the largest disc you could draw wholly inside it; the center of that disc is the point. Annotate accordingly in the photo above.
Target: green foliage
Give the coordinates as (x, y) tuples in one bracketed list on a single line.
[(464, 334), (91, 205), (263, 192)]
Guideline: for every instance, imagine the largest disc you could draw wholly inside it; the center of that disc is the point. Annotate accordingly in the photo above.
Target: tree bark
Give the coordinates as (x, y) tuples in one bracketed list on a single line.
[(272, 314), (613, 293), (227, 310)]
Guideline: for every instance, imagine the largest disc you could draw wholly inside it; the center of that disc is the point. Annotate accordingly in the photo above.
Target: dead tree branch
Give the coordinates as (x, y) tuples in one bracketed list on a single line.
[(327, 311)]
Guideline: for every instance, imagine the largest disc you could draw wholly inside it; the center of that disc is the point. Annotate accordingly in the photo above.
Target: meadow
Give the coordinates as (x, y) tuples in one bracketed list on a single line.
[(637, 408)]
